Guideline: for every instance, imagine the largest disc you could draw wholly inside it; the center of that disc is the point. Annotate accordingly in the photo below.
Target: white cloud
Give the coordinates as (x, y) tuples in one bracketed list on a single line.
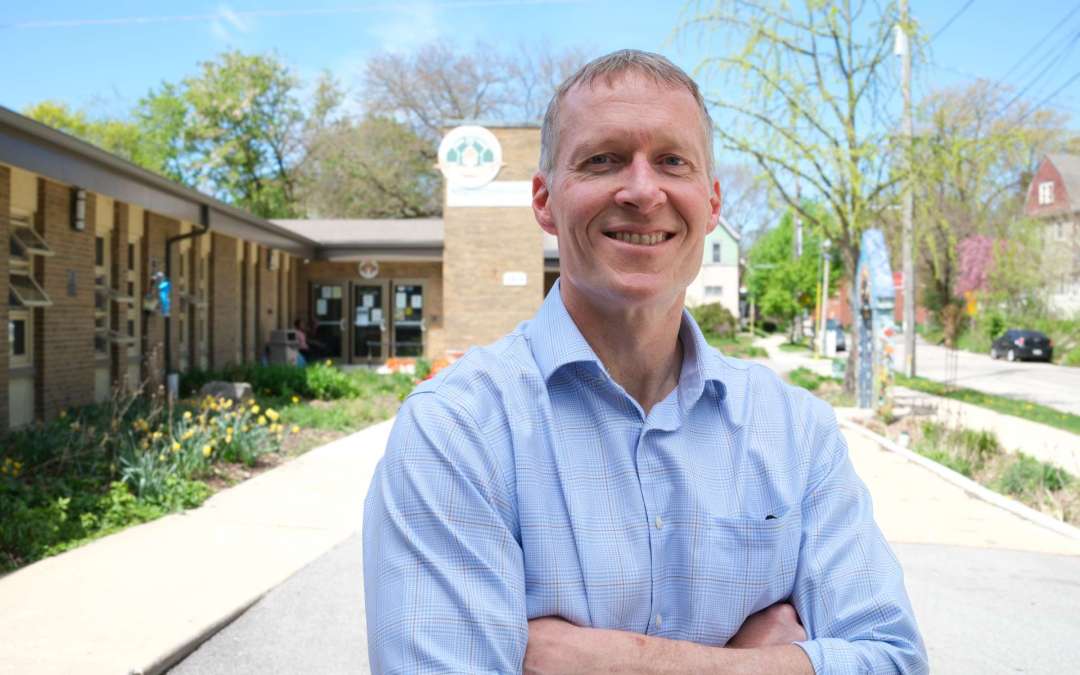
[(226, 22)]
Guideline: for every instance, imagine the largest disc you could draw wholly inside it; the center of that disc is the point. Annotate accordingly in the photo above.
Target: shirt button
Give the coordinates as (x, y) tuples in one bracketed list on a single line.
[(659, 522), (656, 620)]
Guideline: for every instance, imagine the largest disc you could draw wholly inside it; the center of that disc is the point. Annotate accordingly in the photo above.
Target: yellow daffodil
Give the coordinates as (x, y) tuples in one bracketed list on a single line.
[(75, 425), (175, 447), (226, 403), (254, 409), (295, 429), (295, 399), (63, 414), (272, 414), (262, 420), (187, 415), (246, 428), (161, 458), (206, 450), (156, 435)]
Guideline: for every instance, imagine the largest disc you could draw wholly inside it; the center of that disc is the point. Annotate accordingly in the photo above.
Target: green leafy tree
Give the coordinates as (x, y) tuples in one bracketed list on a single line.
[(782, 285), (243, 132), (801, 92), (972, 165)]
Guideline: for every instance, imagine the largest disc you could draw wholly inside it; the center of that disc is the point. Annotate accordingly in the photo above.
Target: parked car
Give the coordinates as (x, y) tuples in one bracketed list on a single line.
[(1016, 344), (833, 326)]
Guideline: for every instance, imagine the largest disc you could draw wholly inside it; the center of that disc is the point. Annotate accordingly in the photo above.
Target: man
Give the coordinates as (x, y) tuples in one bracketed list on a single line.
[(601, 490)]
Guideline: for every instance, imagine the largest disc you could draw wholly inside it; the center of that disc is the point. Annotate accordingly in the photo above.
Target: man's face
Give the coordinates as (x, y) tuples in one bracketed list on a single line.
[(629, 194)]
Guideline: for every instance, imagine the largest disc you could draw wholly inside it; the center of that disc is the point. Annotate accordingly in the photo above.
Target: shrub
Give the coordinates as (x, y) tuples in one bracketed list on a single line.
[(1028, 476), (716, 319), (805, 378)]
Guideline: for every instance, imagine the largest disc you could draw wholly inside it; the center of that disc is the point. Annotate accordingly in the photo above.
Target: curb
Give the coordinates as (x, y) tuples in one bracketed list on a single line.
[(166, 661), (966, 484)]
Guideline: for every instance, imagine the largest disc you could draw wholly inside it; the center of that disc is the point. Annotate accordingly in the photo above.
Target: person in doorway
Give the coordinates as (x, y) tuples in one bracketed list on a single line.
[(601, 490), (301, 343)]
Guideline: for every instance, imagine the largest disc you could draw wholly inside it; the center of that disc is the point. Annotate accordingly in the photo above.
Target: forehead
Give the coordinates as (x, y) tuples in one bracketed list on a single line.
[(630, 106)]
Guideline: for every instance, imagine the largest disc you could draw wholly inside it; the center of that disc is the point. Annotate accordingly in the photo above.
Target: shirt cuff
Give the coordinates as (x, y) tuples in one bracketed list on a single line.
[(832, 655)]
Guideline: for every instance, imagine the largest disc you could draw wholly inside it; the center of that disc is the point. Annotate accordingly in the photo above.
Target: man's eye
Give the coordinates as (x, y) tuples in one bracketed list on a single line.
[(672, 160), (599, 159)]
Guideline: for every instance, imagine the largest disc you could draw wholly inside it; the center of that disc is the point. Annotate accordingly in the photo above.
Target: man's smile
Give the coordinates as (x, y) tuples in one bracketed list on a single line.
[(640, 239)]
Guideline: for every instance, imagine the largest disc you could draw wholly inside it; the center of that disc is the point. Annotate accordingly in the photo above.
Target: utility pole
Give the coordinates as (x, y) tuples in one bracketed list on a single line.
[(903, 50), (825, 246)]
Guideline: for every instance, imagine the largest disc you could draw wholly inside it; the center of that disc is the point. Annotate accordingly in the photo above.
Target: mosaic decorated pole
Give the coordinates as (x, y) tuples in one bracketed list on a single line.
[(875, 297)]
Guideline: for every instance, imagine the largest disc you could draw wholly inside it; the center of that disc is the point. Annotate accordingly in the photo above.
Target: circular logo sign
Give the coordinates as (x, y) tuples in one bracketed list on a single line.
[(369, 269), (470, 157)]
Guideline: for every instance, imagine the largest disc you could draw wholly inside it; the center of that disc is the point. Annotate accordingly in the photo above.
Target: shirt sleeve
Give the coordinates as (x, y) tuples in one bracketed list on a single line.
[(849, 587), (443, 571)]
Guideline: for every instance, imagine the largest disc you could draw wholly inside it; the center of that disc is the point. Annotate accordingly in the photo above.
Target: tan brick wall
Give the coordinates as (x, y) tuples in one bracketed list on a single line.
[(118, 353), (224, 301), (483, 243), (268, 301), (5, 213), (63, 333), (158, 229), (248, 294), (427, 273)]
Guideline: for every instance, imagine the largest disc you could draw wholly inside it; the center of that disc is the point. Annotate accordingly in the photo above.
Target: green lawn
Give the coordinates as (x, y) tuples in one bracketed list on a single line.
[(1008, 406), (742, 346), (794, 347)]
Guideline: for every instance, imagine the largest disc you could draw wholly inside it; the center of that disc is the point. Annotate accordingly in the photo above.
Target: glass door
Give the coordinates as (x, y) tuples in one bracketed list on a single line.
[(408, 326), (327, 302), (369, 320)]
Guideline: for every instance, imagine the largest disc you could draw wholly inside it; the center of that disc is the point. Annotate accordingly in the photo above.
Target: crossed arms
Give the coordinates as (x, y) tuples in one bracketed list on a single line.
[(445, 575)]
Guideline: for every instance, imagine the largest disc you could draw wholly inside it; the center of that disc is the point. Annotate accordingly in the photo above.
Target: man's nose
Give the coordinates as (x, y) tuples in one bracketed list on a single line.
[(641, 186)]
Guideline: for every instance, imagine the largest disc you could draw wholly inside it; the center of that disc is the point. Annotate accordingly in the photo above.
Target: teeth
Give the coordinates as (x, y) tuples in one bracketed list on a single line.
[(639, 239)]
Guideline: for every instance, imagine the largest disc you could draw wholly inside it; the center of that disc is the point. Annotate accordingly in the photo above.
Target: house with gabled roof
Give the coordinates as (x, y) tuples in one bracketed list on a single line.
[(1054, 198)]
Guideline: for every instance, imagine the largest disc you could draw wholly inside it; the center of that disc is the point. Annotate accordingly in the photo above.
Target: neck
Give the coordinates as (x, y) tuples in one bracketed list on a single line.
[(639, 346)]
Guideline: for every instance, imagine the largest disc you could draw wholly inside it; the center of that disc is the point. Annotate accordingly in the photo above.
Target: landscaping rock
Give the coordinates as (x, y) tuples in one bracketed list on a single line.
[(237, 391)]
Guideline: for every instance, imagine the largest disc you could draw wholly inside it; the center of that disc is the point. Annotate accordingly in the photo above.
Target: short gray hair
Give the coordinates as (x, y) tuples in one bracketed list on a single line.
[(608, 68)]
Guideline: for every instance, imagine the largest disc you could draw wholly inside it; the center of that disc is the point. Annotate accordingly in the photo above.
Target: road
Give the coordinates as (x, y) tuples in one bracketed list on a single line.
[(1038, 382), (993, 593)]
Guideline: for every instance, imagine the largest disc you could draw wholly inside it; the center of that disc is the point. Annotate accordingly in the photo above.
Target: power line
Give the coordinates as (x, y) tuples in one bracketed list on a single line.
[(1041, 41), (1075, 77), (1054, 60), (954, 17)]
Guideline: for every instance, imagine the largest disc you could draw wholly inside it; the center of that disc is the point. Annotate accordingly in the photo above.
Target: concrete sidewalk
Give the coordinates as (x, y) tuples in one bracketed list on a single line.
[(135, 601), (141, 599), (1041, 441)]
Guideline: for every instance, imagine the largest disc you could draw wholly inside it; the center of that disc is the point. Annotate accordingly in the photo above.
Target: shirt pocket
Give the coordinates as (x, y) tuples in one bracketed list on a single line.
[(753, 560)]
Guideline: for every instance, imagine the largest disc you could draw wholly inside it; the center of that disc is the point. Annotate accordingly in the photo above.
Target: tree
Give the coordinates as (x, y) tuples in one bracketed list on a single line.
[(119, 137), (437, 85), (244, 129), (973, 160), (805, 100), (376, 168), (747, 206), (782, 285)]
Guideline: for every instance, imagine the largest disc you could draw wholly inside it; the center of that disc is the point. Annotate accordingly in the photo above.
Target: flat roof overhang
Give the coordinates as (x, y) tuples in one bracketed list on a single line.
[(35, 147), (347, 253)]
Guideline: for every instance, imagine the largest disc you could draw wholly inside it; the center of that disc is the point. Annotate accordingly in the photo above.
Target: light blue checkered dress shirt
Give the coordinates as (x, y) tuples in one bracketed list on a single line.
[(524, 482)]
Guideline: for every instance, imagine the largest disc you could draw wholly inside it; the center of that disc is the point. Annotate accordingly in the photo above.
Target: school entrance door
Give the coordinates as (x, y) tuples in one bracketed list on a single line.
[(384, 319)]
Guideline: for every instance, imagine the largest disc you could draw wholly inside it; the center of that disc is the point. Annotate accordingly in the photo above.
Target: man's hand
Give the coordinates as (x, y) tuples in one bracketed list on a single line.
[(558, 646), (775, 625)]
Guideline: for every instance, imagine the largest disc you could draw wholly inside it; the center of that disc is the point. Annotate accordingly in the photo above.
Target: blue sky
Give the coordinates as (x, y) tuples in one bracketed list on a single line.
[(104, 55)]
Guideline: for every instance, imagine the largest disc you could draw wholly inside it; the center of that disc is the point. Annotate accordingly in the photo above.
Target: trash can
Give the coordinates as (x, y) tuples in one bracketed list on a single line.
[(284, 347)]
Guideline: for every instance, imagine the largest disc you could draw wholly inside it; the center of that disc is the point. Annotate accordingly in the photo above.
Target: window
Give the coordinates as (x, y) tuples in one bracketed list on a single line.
[(17, 336), (716, 252), (20, 347), (1046, 193), (99, 251), (131, 257), (714, 291)]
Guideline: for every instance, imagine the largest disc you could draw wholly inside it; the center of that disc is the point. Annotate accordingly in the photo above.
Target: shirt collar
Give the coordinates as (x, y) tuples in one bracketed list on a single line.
[(556, 341)]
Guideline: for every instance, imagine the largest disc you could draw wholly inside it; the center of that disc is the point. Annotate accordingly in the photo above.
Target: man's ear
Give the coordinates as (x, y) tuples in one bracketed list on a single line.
[(716, 200), (540, 205)]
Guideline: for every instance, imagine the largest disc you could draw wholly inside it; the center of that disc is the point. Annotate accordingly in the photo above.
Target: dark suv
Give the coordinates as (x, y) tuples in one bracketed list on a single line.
[(1018, 344)]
